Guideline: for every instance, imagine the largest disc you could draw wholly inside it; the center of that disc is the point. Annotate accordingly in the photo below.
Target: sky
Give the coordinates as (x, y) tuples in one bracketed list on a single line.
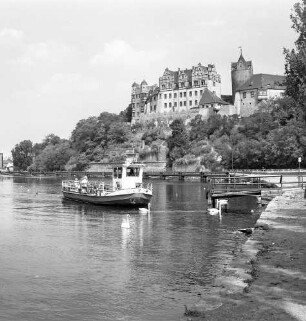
[(63, 61)]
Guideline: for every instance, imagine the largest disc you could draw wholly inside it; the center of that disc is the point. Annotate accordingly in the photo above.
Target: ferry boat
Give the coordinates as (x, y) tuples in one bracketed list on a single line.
[(126, 188)]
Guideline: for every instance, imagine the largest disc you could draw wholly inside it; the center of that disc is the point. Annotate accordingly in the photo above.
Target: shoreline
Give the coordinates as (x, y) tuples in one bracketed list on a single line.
[(266, 280)]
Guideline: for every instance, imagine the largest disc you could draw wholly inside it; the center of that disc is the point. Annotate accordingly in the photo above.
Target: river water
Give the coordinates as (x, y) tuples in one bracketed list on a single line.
[(62, 260)]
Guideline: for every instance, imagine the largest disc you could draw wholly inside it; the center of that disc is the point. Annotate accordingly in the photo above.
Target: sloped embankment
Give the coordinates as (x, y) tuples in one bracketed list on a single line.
[(267, 279)]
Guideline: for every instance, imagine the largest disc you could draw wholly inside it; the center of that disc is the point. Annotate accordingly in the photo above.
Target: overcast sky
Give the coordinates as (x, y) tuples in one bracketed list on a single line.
[(63, 61)]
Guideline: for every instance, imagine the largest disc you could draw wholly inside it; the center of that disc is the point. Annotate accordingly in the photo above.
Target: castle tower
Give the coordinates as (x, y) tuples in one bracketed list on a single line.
[(242, 71)]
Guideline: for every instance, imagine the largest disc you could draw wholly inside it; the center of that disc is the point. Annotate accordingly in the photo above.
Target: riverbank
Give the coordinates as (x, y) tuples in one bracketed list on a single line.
[(267, 278)]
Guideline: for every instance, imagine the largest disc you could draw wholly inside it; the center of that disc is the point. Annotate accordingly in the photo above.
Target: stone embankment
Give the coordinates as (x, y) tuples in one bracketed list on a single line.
[(267, 278)]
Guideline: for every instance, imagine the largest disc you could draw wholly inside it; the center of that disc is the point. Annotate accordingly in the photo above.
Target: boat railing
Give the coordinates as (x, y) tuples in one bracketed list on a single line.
[(92, 187), (96, 187)]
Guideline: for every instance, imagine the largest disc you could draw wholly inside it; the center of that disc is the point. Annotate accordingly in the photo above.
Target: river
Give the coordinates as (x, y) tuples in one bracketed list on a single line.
[(65, 261)]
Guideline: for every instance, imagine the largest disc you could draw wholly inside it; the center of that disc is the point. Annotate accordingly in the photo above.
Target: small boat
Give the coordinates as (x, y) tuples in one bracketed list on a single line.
[(125, 189)]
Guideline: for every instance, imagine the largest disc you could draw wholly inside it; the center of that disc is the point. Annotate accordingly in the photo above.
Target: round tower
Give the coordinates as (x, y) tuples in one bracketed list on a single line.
[(241, 72)]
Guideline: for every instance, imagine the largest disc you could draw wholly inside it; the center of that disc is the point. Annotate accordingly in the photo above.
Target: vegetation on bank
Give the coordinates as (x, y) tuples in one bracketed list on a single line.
[(274, 137)]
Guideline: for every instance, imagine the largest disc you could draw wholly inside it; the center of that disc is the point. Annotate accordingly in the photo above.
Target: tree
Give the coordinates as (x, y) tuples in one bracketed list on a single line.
[(127, 114), (295, 66), (118, 133), (54, 157), (23, 155), (178, 142)]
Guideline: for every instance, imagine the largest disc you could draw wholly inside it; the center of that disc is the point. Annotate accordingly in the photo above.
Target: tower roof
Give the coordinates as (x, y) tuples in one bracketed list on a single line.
[(242, 63)]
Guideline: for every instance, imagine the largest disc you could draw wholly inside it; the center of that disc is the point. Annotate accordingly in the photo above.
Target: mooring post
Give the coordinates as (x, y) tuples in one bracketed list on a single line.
[(203, 177), (281, 181)]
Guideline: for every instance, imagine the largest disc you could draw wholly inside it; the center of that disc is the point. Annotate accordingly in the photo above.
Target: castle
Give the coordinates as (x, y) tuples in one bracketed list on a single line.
[(198, 91), (250, 90)]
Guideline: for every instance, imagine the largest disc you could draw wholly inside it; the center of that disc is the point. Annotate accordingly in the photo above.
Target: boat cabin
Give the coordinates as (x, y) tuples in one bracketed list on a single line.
[(127, 175)]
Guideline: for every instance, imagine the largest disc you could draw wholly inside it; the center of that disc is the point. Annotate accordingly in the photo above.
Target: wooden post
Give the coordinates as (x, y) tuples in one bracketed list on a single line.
[(281, 181), (203, 177)]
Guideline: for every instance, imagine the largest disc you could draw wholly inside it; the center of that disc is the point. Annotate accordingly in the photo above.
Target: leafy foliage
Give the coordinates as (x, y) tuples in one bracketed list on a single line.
[(178, 142), (23, 155), (296, 58)]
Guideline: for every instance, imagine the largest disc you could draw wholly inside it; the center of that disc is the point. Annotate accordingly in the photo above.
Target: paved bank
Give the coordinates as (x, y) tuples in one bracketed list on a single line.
[(267, 278)]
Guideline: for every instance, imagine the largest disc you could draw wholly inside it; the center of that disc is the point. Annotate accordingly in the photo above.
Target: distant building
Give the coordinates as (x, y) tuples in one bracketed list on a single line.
[(139, 97), (178, 91), (249, 89), (183, 89), (241, 72)]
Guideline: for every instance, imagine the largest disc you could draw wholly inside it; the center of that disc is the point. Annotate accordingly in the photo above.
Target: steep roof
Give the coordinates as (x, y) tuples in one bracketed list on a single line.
[(210, 98), (242, 61), (263, 81)]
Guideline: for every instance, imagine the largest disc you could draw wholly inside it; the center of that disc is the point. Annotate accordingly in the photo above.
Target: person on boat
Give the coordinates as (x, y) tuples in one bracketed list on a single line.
[(77, 183), (84, 182)]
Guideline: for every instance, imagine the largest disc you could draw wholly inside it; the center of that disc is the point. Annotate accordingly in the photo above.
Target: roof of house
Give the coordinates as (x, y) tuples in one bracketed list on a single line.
[(209, 97), (264, 81)]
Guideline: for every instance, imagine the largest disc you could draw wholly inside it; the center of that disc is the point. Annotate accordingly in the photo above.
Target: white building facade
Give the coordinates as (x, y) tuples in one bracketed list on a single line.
[(177, 91)]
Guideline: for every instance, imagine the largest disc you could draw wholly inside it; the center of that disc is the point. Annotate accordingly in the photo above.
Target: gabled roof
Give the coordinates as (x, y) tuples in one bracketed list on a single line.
[(210, 98), (263, 81), (144, 83)]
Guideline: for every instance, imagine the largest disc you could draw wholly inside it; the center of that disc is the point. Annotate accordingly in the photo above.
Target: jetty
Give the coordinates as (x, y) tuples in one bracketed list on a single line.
[(261, 186)]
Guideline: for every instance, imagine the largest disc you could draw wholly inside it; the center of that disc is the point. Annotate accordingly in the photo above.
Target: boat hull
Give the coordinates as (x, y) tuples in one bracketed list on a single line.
[(126, 199)]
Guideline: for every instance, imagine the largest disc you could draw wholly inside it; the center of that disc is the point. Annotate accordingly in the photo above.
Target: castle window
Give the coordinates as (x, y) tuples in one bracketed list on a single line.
[(181, 104), (214, 83), (196, 102), (163, 87), (181, 95), (201, 92), (190, 102), (190, 93), (165, 96), (175, 95), (185, 103), (175, 104), (252, 94), (170, 95), (184, 93), (170, 105), (196, 83), (196, 93), (244, 95), (165, 105), (203, 82)]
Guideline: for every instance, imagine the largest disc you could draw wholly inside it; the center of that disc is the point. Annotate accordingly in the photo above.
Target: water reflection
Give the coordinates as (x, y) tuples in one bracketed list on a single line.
[(70, 261)]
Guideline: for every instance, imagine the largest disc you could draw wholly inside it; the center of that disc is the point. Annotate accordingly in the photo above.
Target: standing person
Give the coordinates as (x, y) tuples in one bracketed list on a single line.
[(84, 182)]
